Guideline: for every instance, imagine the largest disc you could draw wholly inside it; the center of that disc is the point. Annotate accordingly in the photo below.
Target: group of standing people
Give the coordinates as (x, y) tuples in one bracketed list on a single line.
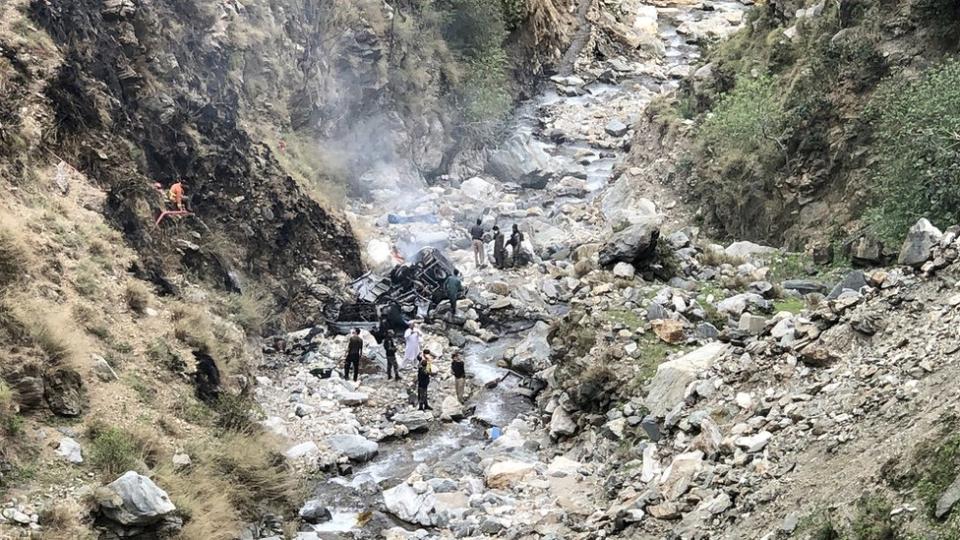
[(500, 244), (413, 353)]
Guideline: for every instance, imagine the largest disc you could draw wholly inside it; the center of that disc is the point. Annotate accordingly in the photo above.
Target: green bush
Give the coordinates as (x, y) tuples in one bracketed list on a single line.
[(235, 413), (746, 120), (114, 451), (514, 12), (917, 149)]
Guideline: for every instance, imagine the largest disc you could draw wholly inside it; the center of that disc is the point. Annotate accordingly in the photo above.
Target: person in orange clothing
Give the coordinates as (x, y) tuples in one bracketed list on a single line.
[(176, 194)]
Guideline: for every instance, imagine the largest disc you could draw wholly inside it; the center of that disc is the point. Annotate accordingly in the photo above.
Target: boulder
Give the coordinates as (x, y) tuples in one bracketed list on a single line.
[(680, 474), (866, 251), (314, 512), (656, 312), (668, 330), (636, 244), (624, 270), (918, 246), (62, 388), (451, 410), (624, 203), (668, 386), (414, 420), (561, 424), (616, 128), (352, 399), (533, 353), (948, 499), (134, 500), (522, 160), (303, 449), (355, 447), (70, 450), (477, 188), (818, 355), (754, 443), (412, 505), (804, 286), (752, 324), (746, 250), (29, 392), (736, 305), (505, 474), (854, 281)]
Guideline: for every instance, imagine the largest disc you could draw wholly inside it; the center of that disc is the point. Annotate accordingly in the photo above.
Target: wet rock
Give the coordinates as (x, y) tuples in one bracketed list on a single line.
[(561, 425), (668, 387), (134, 500), (314, 512), (918, 246), (635, 244), (63, 391), (668, 330), (70, 450), (357, 448)]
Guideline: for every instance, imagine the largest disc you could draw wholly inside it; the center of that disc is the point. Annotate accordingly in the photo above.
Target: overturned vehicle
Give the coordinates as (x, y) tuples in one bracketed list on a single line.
[(410, 291)]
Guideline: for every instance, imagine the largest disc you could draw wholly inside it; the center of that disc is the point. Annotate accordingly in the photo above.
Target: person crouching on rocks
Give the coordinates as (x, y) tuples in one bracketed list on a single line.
[(423, 381)]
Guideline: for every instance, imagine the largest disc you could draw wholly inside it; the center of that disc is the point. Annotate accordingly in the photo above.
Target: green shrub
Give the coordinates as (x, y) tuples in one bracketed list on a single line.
[(873, 521), (252, 309), (114, 451), (235, 413), (746, 120), (514, 12), (917, 150)]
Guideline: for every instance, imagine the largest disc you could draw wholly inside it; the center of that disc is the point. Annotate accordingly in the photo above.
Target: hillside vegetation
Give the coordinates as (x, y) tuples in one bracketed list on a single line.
[(820, 122)]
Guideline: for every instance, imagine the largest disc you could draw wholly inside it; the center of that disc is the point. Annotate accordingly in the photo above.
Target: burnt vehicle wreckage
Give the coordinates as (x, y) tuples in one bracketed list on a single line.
[(411, 290)]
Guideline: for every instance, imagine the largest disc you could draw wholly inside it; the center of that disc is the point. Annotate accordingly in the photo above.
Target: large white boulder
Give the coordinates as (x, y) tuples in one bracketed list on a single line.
[(412, 503), (672, 378), (133, 499), (355, 447)]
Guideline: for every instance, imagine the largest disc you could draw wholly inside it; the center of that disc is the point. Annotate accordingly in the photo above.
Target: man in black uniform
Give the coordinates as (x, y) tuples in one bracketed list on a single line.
[(516, 243), (390, 349), (354, 350), (499, 251)]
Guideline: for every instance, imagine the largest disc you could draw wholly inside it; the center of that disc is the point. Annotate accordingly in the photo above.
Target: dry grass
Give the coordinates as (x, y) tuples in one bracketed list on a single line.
[(718, 257), (15, 258), (64, 521), (252, 310), (137, 296), (198, 329), (50, 330), (233, 478)]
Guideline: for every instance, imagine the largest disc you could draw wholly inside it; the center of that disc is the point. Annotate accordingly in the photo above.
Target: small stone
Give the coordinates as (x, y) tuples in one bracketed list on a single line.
[(181, 460), (752, 324), (668, 330), (314, 512), (70, 450), (754, 443), (624, 270)]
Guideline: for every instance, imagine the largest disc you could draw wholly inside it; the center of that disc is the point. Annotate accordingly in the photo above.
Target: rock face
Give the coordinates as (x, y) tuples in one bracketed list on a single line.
[(63, 392), (635, 244), (355, 447), (134, 500), (672, 378), (919, 243), (523, 161)]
